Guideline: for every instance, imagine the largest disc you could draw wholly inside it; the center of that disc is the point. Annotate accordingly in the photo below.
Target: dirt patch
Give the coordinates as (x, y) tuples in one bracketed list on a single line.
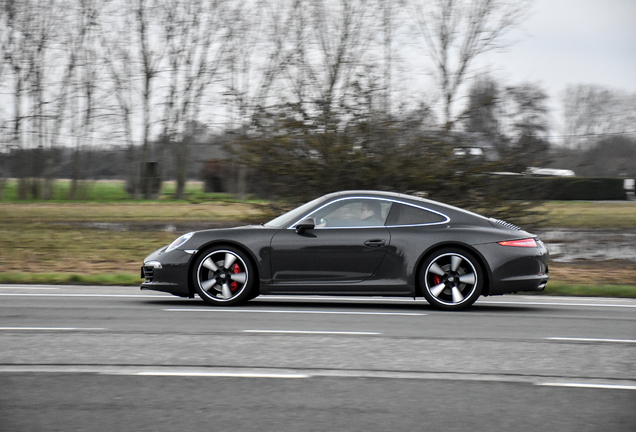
[(612, 272)]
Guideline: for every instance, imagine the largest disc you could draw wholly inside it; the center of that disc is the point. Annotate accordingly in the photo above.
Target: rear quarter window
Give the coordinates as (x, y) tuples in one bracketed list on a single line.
[(402, 214)]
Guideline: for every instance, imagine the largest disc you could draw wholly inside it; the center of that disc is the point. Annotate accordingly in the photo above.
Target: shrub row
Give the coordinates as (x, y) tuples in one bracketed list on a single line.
[(561, 188)]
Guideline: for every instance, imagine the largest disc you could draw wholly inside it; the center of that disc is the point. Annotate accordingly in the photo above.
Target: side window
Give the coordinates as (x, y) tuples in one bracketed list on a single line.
[(408, 215), (353, 213)]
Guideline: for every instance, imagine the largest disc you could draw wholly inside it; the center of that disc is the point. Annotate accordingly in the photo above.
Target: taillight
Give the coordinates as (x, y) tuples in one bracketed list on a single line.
[(519, 243)]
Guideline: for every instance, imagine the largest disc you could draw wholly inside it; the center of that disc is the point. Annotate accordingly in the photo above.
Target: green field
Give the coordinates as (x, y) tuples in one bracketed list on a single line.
[(590, 214), (104, 238), (105, 191)]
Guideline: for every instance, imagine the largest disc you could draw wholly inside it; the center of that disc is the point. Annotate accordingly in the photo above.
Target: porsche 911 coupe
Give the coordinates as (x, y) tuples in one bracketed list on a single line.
[(364, 243)]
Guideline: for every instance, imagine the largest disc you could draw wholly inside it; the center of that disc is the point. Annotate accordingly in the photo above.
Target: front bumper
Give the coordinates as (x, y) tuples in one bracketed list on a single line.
[(167, 272)]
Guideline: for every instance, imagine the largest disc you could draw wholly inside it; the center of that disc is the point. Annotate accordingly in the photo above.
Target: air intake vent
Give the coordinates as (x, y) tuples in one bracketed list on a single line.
[(505, 224), (148, 273)]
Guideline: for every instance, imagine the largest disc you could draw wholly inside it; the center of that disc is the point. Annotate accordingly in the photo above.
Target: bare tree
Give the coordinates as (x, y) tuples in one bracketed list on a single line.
[(318, 46), (392, 37), (150, 56), (195, 35), (513, 119), (27, 39), (5, 47), (15, 46), (118, 59), (81, 80), (327, 83), (483, 111), (525, 124), (526, 110), (456, 32), (593, 112), (134, 58)]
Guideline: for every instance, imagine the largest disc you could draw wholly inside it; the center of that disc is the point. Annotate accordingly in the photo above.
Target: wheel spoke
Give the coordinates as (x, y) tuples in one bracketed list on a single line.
[(239, 277), (226, 291), (229, 260), (206, 285), (436, 269), (210, 264), (457, 295), (437, 289), (455, 262), (468, 279)]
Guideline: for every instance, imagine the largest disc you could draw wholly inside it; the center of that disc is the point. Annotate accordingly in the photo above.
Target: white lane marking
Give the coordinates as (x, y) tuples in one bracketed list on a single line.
[(27, 287), (50, 329), (555, 304), (267, 297), (181, 371), (569, 298), (592, 340), (590, 385), (571, 301), (294, 312), (85, 295), (222, 374), (312, 332)]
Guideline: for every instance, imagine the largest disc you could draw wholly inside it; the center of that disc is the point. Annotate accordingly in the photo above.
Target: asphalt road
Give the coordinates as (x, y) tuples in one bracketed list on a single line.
[(115, 358)]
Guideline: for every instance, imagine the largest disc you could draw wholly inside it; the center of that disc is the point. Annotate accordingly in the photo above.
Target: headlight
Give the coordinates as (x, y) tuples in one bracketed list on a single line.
[(179, 242)]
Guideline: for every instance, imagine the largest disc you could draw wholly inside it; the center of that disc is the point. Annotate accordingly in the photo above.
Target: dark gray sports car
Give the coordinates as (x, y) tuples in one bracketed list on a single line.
[(355, 243)]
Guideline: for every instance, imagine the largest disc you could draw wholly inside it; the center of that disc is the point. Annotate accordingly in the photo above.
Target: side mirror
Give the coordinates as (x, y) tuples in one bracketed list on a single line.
[(305, 225)]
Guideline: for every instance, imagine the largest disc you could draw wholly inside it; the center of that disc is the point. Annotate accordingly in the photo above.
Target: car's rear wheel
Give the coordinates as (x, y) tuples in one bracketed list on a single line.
[(451, 279), (223, 276)]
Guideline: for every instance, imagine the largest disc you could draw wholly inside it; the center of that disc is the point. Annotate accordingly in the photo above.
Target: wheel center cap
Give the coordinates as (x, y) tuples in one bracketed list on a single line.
[(451, 278)]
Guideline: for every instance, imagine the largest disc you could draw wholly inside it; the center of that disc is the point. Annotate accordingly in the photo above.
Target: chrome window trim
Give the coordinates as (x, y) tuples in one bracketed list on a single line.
[(392, 201)]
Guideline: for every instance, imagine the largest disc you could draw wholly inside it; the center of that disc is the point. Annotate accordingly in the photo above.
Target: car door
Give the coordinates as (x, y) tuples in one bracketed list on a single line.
[(347, 245)]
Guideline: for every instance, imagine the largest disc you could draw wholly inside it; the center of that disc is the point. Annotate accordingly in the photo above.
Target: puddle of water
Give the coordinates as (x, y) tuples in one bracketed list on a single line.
[(595, 245)]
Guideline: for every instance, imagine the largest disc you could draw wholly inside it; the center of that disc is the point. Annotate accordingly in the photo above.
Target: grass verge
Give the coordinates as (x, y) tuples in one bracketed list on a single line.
[(108, 191), (119, 279), (575, 290), (589, 214)]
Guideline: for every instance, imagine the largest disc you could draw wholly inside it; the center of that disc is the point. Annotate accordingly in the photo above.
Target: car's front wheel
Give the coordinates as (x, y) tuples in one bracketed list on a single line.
[(451, 279), (223, 276)]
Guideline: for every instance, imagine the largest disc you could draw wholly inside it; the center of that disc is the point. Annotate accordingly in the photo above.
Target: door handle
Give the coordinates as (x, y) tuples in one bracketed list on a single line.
[(375, 243)]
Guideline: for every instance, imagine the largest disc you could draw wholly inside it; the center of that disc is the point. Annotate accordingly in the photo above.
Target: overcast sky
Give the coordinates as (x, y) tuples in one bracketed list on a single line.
[(573, 42), (566, 42)]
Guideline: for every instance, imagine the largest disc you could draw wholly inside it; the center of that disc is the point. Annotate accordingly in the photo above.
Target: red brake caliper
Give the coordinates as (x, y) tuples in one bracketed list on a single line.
[(437, 280), (235, 269)]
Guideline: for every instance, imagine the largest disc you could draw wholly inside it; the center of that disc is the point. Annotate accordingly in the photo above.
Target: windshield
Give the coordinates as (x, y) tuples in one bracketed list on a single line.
[(285, 220)]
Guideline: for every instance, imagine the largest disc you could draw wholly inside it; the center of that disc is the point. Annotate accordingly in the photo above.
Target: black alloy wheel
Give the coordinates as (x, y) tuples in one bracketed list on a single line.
[(451, 279), (223, 276)]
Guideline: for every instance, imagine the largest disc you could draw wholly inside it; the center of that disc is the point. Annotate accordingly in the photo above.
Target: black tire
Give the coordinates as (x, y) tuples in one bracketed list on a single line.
[(223, 276), (451, 279)]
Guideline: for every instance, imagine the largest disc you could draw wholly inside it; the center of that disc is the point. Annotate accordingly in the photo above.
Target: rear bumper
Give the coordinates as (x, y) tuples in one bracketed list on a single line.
[(527, 271), (521, 284)]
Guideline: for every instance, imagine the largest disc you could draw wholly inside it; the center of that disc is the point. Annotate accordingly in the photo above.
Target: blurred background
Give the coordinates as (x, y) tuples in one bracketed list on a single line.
[(284, 98), (124, 123)]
